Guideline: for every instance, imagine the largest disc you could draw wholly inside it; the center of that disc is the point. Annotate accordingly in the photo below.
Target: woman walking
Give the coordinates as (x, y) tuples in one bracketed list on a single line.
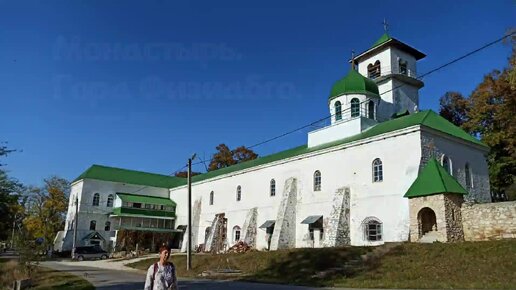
[(162, 274)]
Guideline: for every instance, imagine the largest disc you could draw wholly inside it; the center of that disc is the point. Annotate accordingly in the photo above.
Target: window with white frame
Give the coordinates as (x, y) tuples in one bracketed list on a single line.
[(236, 233), (239, 193), (109, 202), (338, 111), (468, 176), (317, 180), (355, 107), (377, 170), (372, 229), (447, 164), (96, 199), (211, 198), (93, 225), (273, 187)]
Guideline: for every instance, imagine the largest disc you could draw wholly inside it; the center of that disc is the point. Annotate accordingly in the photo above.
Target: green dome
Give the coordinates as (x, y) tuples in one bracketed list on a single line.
[(354, 83)]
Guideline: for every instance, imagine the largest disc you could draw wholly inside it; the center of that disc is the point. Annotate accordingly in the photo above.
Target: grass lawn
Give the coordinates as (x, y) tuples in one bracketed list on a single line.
[(43, 278), (482, 265)]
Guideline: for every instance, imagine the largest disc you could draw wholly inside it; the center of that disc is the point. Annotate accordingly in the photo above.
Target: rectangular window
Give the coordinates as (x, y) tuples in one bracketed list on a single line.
[(237, 235), (137, 205), (148, 206), (374, 231)]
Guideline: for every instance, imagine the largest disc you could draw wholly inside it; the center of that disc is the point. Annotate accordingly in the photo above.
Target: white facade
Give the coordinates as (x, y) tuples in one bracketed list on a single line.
[(330, 194)]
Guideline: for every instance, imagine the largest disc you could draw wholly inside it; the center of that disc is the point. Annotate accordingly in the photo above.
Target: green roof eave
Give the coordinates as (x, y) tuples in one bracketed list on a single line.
[(106, 173), (423, 118), (147, 199), (126, 211), (434, 179)]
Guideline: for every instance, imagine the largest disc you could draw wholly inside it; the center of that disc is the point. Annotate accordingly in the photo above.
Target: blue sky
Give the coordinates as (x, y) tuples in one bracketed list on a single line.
[(144, 84)]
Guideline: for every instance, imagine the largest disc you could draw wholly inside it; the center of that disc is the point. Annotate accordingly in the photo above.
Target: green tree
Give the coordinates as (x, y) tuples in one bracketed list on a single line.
[(225, 157), (10, 190)]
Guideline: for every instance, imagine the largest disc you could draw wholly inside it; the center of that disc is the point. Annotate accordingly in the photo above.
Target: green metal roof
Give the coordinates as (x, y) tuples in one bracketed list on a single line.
[(384, 38), (126, 211), (145, 199), (428, 119), (434, 179), (354, 83), (159, 230), (106, 173)]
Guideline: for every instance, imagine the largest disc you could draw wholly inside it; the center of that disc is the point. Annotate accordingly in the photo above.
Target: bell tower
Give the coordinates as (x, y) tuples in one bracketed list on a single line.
[(391, 64)]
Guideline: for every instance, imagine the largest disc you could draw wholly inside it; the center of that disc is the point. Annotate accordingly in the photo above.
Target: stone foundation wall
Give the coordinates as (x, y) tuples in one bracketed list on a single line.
[(452, 204), (489, 221)]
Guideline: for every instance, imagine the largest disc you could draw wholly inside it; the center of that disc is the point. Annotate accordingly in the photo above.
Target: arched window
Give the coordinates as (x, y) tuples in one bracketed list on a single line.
[(467, 173), (93, 225), (211, 198), (109, 201), (236, 233), (370, 110), (447, 164), (373, 70), (273, 187), (355, 107), (317, 180), (107, 227), (377, 170), (96, 199), (338, 111), (402, 66), (239, 193), (372, 229)]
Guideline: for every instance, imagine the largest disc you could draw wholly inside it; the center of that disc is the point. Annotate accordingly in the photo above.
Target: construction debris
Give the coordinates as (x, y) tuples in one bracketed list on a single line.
[(240, 247)]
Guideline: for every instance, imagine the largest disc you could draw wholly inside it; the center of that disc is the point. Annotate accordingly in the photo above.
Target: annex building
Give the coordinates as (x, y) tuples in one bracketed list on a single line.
[(381, 171)]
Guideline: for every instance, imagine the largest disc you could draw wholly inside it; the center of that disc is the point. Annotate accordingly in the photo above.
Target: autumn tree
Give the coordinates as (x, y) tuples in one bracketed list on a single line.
[(225, 157), (454, 107), (46, 209), (489, 114)]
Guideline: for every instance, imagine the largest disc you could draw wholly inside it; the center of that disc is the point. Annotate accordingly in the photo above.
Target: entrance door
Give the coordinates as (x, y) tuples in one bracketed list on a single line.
[(427, 220)]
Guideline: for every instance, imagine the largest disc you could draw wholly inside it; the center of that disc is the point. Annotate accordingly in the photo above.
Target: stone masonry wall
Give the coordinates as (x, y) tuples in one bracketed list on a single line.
[(250, 227), (452, 204), (337, 225), (489, 221), (284, 236), (435, 203)]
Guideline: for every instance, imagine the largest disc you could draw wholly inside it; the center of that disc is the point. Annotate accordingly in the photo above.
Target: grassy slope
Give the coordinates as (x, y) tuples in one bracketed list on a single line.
[(461, 265), (43, 278)]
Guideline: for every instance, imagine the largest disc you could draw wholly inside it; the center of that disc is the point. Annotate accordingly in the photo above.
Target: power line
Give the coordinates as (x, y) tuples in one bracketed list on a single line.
[(394, 88)]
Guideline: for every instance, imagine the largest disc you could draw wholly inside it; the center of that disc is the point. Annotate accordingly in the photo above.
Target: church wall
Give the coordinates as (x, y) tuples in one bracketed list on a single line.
[(436, 144), (349, 167)]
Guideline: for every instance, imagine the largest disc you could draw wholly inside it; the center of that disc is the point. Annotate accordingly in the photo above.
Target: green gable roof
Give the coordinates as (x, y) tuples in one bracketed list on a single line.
[(106, 173), (147, 199), (354, 83), (427, 119), (424, 118), (384, 38), (434, 179)]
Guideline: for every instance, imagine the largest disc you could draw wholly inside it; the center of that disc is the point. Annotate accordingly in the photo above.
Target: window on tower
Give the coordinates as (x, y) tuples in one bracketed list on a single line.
[(355, 107), (338, 111), (403, 67), (374, 70), (370, 110)]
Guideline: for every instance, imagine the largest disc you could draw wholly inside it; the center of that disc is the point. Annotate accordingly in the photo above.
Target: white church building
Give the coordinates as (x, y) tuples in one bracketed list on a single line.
[(346, 186)]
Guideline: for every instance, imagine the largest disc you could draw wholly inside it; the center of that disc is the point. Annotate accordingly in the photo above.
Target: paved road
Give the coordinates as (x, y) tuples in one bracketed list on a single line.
[(107, 279)]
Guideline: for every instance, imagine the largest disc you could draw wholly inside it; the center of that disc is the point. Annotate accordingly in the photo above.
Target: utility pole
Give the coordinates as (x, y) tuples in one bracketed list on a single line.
[(75, 220), (189, 227), (12, 237)]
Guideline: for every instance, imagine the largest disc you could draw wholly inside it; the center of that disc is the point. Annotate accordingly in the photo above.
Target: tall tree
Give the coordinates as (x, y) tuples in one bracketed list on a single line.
[(489, 114), (454, 107), (492, 118), (46, 209), (225, 157), (10, 190)]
